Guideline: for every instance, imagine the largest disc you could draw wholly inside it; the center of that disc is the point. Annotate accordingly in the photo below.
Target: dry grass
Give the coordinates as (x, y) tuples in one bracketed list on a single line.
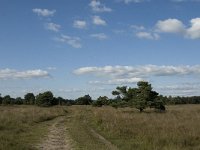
[(178, 128), (22, 126)]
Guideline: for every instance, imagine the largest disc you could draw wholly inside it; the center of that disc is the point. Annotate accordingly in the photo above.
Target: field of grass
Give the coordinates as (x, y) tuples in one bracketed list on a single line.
[(177, 129), (103, 128), (23, 126)]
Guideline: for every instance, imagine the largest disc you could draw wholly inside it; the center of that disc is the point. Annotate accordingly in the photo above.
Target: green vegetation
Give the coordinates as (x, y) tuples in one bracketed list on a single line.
[(140, 98)]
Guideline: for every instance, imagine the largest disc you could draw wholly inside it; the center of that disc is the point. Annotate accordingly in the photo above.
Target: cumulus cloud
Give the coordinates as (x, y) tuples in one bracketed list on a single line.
[(185, 0), (132, 74), (170, 26), (98, 7), (180, 89), (98, 21), (51, 68), (118, 81), (80, 24), (27, 74), (176, 26), (147, 35), (72, 41), (133, 1), (193, 31), (53, 27), (137, 28), (100, 36), (139, 71), (44, 12)]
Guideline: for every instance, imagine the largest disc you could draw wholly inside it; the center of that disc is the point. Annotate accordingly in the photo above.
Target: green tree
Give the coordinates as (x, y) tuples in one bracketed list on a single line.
[(1, 99), (122, 93), (18, 101), (29, 98), (6, 100), (146, 97), (101, 100), (85, 100), (44, 99)]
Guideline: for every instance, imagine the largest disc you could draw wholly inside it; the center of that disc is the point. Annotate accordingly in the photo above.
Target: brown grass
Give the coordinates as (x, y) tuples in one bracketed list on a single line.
[(22, 126), (178, 128)]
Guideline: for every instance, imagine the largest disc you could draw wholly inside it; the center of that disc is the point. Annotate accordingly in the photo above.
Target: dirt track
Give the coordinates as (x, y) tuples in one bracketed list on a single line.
[(57, 138)]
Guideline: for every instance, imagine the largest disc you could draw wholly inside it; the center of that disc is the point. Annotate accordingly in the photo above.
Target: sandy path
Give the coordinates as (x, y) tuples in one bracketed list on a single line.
[(57, 138)]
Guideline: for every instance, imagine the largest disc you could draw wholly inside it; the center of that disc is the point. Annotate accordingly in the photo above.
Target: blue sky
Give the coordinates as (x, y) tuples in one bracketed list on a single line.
[(78, 47)]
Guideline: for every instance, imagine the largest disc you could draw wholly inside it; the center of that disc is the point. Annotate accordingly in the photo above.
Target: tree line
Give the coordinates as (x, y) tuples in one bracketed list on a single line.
[(140, 97)]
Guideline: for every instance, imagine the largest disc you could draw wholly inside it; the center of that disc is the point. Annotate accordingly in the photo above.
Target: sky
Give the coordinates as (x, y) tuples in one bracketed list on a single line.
[(78, 47)]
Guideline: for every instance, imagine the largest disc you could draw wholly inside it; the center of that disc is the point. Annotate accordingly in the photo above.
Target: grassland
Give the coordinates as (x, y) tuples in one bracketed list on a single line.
[(177, 129), (23, 126), (103, 128)]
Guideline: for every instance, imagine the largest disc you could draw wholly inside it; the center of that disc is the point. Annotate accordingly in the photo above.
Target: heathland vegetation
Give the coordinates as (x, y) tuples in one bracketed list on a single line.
[(136, 118)]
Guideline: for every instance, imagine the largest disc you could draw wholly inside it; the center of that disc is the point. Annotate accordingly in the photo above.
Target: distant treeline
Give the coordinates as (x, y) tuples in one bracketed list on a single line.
[(141, 97)]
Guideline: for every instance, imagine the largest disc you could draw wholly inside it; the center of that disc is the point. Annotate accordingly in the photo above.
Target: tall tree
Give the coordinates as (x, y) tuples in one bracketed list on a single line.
[(1, 99), (122, 92), (6, 100), (44, 99), (29, 98), (85, 100)]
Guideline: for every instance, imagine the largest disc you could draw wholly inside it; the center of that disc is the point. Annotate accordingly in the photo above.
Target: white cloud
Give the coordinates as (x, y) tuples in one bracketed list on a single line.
[(27, 74), (176, 26), (139, 71), (170, 26), (147, 35), (137, 28), (180, 89), (98, 7), (72, 41), (185, 0), (194, 31), (44, 12), (100, 36), (98, 21), (53, 27), (116, 75), (51, 68), (117, 81), (133, 1), (80, 24)]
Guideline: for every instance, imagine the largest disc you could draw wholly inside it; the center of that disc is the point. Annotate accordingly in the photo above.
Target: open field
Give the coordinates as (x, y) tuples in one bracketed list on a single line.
[(27, 127), (126, 128), (23, 126)]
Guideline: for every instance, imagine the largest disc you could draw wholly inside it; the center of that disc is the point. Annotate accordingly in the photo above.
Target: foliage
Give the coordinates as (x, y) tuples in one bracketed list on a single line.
[(6, 100), (141, 97), (18, 101), (45, 99), (1, 99), (101, 100), (29, 98), (85, 100)]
